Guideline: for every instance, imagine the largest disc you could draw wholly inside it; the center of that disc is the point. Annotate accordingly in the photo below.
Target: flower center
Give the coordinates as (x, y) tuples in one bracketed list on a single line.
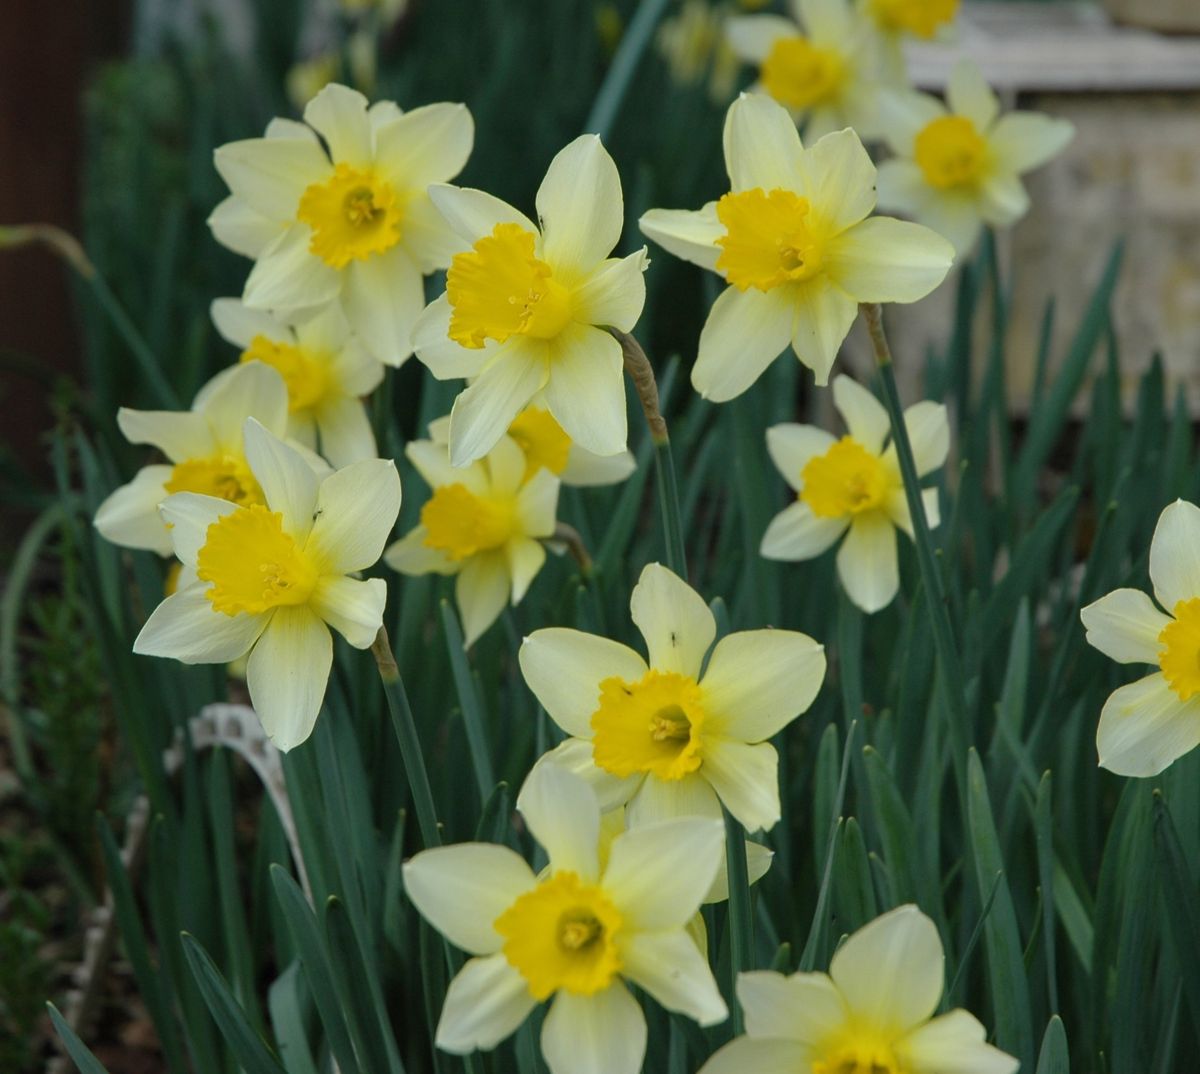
[(919, 17), (1180, 657), (353, 215), (562, 934), (652, 725), (462, 524), (227, 477), (306, 378), (846, 480), (859, 1056), (252, 564), (950, 151), (498, 289), (768, 239), (799, 74), (542, 439)]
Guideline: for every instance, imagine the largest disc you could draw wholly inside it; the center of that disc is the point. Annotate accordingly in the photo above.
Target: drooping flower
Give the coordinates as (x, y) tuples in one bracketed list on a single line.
[(958, 165), (694, 46), (484, 523), (272, 577), (326, 371), (661, 736), (852, 486), (348, 220), (873, 1011), (574, 935), (1148, 724), (825, 70), (526, 307), (204, 453), (796, 243)]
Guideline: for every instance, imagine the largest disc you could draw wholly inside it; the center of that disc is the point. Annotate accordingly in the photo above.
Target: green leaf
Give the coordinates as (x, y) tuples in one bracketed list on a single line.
[(81, 1056), (1179, 897), (470, 704), (1054, 1057)]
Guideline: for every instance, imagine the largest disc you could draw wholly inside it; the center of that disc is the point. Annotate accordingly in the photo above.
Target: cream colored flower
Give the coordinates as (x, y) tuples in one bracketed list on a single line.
[(873, 1011), (694, 46), (826, 71), (484, 523), (348, 220), (204, 453), (576, 934), (527, 306), (326, 371), (796, 243), (662, 737), (959, 167), (1148, 724), (853, 487), (898, 20), (271, 578)]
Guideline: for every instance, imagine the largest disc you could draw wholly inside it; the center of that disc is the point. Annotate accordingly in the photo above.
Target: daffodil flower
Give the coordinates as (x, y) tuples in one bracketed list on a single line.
[(326, 371), (484, 523), (547, 447), (272, 577), (575, 935), (660, 736), (873, 1011), (898, 20), (204, 450), (796, 243), (348, 220), (1148, 724), (852, 486), (825, 70), (526, 307), (959, 167)]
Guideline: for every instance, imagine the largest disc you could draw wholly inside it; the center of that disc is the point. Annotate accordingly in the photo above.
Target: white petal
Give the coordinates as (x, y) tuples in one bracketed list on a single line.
[(289, 276), (673, 618), (586, 470), (1003, 200), (288, 483), (689, 235), (564, 669), (575, 755), (954, 1043), (901, 188), (252, 390), (824, 314), (356, 509), (904, 115), (339, 115), (484, 411), (525, 559), (238, 324), (178, 434), (968, 94), (473, 214), (614, 294), (825, 20), (481, 590), (762, 147), (580, 207), (758, 864), (792, 446), (929, 430), (757, 681), (486, 1003), (864, 415), (1175, 554), (287, 674), (1021, 141), (752, 36), (886, 260), (345, 430), (1144, 727), (797, 534), (427, 237), (670, 967), (239, 228), (411, 555), (657, 873), (563, 815), (669, 799), (187, 516), (804, 1007), (442, 356), (382, 298), (867, 563), (600, 1034), (839, 181), (271, 174), (352, 607), (586, 389), (427, 145), (955, 216), (896, 504), (1124, 625), (432, 461), (746, 1054), (460, 890), (537, 504), (745, 332), (185, 627), (129, 515), (746, 779), (890, 972)]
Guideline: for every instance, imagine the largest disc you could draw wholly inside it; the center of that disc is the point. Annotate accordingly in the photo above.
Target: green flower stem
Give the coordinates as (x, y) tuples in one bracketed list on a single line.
[(931, 577), (741, 926), (625, 62), (637, 365), (406, 734)]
